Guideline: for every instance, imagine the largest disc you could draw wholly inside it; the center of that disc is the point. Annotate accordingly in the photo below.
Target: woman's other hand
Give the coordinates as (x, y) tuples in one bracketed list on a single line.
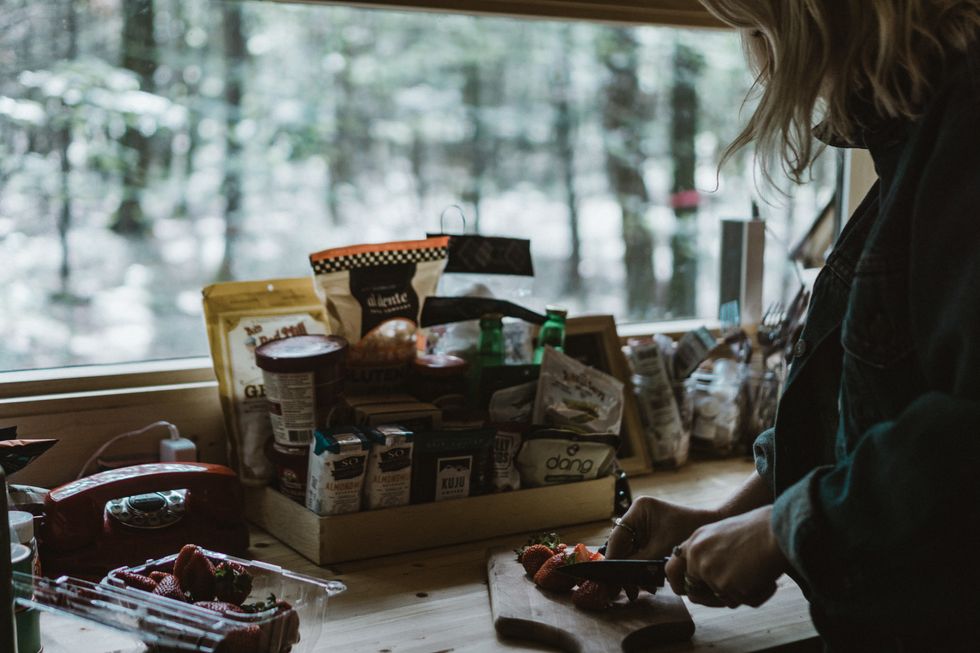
[(732, 562)]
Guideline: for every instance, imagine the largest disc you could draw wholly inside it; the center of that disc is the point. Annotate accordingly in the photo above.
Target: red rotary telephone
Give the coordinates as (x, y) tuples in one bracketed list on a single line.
[(129, 515)]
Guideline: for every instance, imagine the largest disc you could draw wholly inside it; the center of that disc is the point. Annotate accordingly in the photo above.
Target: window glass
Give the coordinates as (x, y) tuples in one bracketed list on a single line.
[(151, 147)]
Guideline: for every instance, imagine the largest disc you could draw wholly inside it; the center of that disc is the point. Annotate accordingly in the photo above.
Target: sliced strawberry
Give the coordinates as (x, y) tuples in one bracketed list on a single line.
[(581, 553), (137, 581), (550, 576), (596, 556), (232, 582), (170, 588), (592, 595), (534, 556)]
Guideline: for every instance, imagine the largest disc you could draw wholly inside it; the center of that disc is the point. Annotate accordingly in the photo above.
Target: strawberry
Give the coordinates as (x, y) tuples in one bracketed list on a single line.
[(596, 556), (534, 556), (195, 572), (170, 588), (232, 582), (592, 595), (581, 553), (218, 606), (158, 575), (550, 577), (242, 640), (137, 581)]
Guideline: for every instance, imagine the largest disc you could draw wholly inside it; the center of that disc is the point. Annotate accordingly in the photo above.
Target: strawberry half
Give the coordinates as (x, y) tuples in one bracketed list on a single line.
[(232, 582), (592, 595), (581, 553), (550, 576), (534, 556)]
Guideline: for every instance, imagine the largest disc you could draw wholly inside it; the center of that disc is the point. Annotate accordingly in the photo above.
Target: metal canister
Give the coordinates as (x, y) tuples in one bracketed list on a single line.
[(304, 378)]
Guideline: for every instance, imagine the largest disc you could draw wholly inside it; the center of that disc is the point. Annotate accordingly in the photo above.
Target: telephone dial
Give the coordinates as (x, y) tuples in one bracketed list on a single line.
[(129, 515)]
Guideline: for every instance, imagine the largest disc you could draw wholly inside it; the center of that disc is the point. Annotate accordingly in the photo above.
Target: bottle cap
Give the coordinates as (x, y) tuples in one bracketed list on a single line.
[(553, 309)]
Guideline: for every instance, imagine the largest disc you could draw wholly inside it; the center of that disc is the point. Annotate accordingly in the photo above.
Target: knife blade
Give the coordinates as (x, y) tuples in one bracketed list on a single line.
[(645, 573)]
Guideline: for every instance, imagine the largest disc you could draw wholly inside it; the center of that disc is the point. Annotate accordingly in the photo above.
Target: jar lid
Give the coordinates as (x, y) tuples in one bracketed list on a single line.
[(301, 353), (22, 523), (441, 365)]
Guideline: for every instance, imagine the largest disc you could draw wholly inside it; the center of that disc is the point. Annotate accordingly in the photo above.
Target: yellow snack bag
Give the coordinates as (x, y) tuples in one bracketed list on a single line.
[(240, 316)]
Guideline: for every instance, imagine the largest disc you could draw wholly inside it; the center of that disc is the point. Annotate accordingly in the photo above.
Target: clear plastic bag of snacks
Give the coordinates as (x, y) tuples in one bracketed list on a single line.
[(718, 404)]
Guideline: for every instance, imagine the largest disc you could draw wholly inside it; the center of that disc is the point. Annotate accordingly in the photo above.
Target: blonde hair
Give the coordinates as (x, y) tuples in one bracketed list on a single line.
[(818, 58)]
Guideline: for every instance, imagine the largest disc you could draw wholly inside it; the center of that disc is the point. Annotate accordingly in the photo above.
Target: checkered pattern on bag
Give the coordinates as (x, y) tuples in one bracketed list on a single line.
[(372, 259)]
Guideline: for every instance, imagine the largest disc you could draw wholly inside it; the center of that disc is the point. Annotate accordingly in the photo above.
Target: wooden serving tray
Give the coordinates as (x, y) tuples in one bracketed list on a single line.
[(367, 534), (525, 611)]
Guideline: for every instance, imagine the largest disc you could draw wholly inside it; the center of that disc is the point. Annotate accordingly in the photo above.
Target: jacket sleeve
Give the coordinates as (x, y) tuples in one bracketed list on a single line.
[(891, 530)]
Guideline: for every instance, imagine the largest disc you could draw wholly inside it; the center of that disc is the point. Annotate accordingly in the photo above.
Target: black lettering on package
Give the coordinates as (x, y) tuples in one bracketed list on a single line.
[(384, 292), (395, 459), (349, 467), (453, 477)]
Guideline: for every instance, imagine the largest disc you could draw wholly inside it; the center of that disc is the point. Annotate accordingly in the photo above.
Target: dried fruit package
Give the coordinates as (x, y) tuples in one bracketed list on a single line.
[(576, 396), (240, 316), (374, 294)]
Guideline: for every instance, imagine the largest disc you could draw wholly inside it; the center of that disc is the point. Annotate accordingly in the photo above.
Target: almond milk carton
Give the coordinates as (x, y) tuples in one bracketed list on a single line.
[(338, 461)]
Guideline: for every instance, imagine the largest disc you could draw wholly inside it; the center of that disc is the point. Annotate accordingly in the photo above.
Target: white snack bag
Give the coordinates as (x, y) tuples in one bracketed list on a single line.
[(388, 481), (338, 461), (576, 396), (554, 456)]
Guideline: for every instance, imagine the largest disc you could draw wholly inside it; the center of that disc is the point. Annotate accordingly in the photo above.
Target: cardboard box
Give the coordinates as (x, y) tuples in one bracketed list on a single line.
[(359, 535)]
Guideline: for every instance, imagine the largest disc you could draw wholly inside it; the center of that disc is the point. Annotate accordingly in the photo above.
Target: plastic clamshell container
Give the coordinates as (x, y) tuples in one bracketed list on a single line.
[(281, 629)]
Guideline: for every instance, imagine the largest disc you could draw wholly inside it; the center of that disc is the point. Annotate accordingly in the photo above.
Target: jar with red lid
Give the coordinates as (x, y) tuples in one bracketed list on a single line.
[(440, 379), (304, 382)]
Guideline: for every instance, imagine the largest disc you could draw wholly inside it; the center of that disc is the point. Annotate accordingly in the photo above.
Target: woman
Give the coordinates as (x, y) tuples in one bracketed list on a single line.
[(867, 490)]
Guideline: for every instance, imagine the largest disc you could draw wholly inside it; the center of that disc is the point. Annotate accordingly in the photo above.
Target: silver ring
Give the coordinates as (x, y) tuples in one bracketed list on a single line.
[(678, 551), (618, 521)]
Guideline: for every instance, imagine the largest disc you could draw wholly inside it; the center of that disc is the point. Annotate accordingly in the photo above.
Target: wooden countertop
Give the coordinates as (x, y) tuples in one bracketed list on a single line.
[(436, 601)]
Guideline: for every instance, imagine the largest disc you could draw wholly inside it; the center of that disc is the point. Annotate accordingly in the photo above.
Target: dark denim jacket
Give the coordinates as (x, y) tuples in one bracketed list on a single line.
[(875, 456)]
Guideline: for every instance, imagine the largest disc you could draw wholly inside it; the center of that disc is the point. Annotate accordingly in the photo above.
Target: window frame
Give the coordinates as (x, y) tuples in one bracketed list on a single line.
[(92, 403)]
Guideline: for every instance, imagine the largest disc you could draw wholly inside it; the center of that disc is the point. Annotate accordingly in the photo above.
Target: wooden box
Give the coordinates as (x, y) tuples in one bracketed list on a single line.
[(367, 534)]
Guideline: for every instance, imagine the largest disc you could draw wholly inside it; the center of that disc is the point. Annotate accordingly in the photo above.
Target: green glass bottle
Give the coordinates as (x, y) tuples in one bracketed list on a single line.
[(491, 348), (552, 332)]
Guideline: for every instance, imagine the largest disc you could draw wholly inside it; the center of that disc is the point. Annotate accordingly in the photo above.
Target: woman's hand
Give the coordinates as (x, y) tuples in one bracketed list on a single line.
[(731, 562), (651, 528)]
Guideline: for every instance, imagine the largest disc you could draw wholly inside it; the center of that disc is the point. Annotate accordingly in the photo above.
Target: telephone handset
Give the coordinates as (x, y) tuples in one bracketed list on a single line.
[(129, 515)]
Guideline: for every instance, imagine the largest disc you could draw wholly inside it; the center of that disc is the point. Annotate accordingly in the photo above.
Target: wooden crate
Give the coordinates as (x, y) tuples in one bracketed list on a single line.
[(326, 540)]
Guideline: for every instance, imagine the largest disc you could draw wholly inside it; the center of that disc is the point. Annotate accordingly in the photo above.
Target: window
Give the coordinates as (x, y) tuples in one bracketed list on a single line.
[(148, 148)]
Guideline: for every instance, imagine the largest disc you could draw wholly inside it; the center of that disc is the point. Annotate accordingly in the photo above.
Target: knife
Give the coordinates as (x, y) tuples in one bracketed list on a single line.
[(645, 573)]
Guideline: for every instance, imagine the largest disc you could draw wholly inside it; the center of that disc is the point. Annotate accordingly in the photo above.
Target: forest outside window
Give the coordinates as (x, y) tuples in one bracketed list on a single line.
[(151, 147)]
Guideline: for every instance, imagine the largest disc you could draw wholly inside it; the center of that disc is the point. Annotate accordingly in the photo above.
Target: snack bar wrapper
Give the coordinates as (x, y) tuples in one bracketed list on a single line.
[(374, 294), (576, 396), (553, 456)]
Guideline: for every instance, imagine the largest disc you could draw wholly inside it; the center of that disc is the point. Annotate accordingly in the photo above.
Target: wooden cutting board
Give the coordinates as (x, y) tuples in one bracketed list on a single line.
[(523, 610)]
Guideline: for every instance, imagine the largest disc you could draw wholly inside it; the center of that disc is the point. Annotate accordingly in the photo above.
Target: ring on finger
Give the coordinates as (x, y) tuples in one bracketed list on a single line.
[(619, 522), (694, 585)]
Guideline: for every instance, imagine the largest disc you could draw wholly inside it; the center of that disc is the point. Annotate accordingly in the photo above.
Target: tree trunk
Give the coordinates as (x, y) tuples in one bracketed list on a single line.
[(565, 149), (231, 186), (140, 56), (64, 141), (473, 102), (682, 291), (623, 118)]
